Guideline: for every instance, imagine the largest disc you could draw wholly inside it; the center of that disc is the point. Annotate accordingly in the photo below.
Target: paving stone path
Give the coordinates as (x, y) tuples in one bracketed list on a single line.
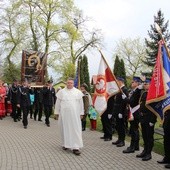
[(38, 148)]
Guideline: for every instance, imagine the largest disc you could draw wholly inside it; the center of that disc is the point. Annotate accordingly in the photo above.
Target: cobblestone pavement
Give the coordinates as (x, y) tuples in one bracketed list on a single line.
[(38, 148)]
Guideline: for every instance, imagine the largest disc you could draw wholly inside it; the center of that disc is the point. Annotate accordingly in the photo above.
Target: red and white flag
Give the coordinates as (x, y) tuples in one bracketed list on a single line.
[(106, 86)]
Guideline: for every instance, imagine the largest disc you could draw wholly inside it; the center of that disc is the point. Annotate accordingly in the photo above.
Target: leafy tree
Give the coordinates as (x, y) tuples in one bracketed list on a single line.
[(86, 72), (116, 69), (35, 44), (76, 40), (154, 38), (80, 67), (11, 72), (68, 70), (133, 52), (13, 33), (119, 68), (122, 68)]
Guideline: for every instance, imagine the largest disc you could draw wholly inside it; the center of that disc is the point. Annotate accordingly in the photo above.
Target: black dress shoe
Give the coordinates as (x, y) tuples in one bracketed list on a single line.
[(129, 150), (163, 161), (48, 125), (147, 157), (115, 143), (25, 127), (137, 148), (107, 139), (102, 137), (15, 120), (120, 144), (167, 166), (141, 155), (39, 120), (64, 148), (76, 152)]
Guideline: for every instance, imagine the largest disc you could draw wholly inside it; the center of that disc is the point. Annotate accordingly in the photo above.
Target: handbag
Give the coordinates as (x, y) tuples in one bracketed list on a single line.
[(92, 113)]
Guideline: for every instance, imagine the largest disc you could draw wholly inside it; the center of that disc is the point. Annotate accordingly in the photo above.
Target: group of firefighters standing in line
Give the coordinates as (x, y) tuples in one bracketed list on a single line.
[(133, 102)]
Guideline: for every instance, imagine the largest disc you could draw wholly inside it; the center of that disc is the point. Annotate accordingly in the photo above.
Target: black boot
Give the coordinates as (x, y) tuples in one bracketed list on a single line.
[(147, 157), (141, 155), (164, 161), (129, 150), (117, 142), (167, 166), (122, 143)]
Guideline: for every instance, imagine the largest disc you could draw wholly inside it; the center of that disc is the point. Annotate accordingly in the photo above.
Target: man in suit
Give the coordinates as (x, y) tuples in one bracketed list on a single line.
[(106, 119), (24, 102), (38, 103), (49, 99), (147, 121), (120, 109), (133, 102)]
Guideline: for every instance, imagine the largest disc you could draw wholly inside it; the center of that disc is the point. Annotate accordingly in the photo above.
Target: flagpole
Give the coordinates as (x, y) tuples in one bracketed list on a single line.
[(79, 73), (158, 29), (110, 71)]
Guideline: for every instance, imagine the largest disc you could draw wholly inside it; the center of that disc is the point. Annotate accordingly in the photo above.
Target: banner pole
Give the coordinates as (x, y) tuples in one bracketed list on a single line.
[(158, 29), (79, 73)]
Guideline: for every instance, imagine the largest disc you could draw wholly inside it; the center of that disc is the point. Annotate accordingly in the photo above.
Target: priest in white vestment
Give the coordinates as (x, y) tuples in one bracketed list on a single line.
[(69, 110)]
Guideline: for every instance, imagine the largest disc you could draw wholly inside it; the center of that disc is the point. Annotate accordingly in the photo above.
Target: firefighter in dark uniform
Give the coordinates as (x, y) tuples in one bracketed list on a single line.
[(49, 99), (147, 120), (24, 101), (166, 127), (38, 103), (12, 98), (106, 119), (120, 109), (133, 102)]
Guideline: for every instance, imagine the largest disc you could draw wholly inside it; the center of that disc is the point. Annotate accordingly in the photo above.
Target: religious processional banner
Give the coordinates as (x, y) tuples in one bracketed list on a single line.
[(106, 86), (34, 66), (158, 98)]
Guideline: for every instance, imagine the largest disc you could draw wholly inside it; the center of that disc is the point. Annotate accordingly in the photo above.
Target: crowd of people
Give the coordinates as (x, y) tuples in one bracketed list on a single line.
[(21, 100), (72, 107)]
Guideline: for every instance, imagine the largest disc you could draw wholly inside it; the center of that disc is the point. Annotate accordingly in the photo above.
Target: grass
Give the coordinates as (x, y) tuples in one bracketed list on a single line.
[(158, 144)]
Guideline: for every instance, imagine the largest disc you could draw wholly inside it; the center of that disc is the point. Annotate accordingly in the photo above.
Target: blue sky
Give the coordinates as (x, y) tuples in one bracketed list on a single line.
[(120, 19)]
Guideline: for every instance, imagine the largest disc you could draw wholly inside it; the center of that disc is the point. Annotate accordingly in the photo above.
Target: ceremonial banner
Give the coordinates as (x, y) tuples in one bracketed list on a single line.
[(105, 87), (34, 66), (158, 98)]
